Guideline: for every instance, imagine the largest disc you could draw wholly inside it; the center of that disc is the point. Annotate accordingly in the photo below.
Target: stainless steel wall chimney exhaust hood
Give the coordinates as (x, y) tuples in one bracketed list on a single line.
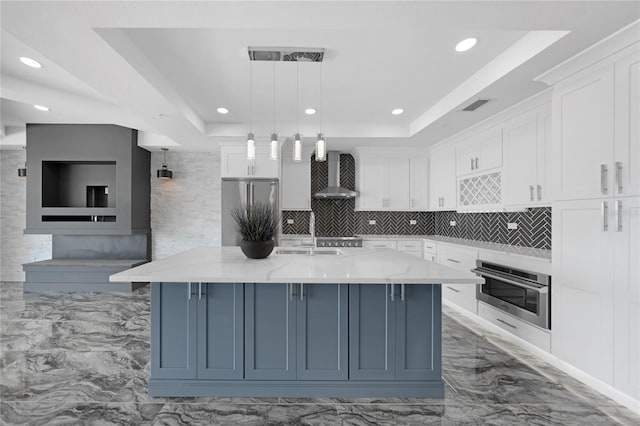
[(334, 190)]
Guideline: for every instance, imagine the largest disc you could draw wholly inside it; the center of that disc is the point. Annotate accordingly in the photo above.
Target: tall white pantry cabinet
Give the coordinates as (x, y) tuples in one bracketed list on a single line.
[(596, 216)]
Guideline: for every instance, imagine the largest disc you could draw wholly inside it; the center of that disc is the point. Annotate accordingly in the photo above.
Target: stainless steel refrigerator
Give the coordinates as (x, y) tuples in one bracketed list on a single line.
[(238, 192)]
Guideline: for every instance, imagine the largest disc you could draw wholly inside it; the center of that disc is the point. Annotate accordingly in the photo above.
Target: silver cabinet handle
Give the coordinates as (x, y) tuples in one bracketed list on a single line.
[(290, 292), (619, 176), (412, 203), (531, 192), (453, 260), (603, 178), (453, 289), (539, 188), (393, 295), (605, 212), (472, 164), (477, 163), (301, 291), (618, 208), (402, 292), (189, 291), (199, 291), (506, 323)]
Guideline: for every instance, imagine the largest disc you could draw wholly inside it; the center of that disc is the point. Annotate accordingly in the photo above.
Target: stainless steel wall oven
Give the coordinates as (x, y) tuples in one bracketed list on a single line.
[(524, 294)]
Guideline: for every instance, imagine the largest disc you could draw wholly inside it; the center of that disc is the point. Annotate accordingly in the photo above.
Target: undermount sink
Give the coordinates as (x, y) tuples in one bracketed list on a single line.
[(308, 251)]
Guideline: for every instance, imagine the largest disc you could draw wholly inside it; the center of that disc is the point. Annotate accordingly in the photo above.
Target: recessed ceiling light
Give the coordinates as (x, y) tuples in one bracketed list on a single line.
[(222, 110), (397, 111), (310, 111), (466, 44), (41, 107), (30, 62)]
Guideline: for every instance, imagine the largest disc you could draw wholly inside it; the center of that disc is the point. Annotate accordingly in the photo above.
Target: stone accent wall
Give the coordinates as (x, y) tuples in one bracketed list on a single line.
[(185, 211), (16, 247)]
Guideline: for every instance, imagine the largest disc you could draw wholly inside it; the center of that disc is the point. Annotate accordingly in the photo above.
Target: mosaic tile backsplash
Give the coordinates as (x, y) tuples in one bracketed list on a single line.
[(335, 218)]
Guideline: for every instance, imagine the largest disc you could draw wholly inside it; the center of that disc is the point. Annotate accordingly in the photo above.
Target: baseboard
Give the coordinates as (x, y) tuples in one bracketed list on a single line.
[(597, 385)]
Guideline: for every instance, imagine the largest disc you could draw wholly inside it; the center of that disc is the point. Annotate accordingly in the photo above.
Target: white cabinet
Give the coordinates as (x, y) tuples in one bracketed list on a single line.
[(411, 246), (595, 119), (534, 335), (481, 152), (295, 183), (429, 248), (391, 180), (462, 259), (234, 162), (442, 179), (527, 140), (380, 243)]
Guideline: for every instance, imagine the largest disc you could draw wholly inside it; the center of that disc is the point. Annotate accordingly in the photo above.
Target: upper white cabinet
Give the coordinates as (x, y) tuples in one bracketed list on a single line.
[(391, 180), (234, 162), (527, 140), (595, 119), (442, 179), (481, 152), (295, 184)]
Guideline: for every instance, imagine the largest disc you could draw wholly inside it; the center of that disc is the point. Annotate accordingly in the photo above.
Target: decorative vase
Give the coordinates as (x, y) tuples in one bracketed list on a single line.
[(257, 249)]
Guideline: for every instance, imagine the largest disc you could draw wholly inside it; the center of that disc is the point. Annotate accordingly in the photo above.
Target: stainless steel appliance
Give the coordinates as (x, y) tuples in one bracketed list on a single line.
[(524, 294), (238, 192), (339, 242)]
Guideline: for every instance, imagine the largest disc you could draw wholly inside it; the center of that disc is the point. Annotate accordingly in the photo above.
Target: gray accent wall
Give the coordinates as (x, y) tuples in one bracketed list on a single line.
[(16, 248)]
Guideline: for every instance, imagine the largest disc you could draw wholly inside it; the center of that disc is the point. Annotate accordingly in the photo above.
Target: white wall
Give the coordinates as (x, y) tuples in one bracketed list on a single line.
[(16, 248), (185, 211)]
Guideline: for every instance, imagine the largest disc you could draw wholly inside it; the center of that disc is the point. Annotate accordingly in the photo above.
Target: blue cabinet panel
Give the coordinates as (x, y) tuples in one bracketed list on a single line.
[(322, 332), (418, 333), (173, 333), (220, 331), (270, 332), (371, 332)]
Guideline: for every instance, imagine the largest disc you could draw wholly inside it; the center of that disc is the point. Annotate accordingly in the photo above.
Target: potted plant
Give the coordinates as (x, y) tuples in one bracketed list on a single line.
[(257, 224)]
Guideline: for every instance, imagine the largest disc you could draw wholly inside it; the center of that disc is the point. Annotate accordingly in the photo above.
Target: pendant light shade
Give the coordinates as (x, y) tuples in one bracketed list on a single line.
[(274, 147), (321, 148), (251, 147), (164, 172), (297, 148)]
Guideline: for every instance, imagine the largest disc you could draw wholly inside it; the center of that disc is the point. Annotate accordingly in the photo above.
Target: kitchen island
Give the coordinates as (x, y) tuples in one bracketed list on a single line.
[(347, 322)]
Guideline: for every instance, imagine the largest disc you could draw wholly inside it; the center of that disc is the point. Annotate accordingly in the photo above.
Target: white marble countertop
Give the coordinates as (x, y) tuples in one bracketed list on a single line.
[(502, 248), (353, 265)]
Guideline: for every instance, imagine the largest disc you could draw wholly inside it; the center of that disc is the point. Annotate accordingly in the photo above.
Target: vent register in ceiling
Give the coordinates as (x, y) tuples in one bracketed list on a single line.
[(274, 54)]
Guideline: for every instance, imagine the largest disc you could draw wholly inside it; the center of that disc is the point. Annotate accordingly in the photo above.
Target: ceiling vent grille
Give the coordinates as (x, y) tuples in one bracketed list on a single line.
[(286, 54), (476, 104)]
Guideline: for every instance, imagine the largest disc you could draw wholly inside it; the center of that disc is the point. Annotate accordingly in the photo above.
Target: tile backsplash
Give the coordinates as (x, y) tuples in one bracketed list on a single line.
[(336, 218)]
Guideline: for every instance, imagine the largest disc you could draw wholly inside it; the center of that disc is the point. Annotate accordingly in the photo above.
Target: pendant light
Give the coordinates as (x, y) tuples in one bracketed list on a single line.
[(274, 135), (251, 146), (22, 171), (164, 172), (321, 146), (297, 143)]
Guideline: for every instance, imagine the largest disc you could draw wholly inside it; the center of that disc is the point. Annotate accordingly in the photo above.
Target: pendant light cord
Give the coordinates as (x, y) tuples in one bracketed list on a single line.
[(274, 97), (251, 96), (298, 96)]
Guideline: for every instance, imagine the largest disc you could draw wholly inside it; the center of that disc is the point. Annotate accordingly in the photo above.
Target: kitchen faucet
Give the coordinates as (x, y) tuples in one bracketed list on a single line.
[(312, 231)]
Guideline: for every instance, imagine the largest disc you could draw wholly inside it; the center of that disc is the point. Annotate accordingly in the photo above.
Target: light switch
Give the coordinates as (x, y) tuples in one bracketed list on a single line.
[(512, 225), (452, 223), (372, 222), (289, 221), (413, 222)]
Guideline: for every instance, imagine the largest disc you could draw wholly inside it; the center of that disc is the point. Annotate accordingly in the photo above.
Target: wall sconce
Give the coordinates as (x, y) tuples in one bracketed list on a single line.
[(22, 171), (164, 172)]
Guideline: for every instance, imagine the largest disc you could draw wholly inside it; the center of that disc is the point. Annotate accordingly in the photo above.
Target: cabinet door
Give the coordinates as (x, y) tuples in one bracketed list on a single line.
[(265, 167), (443, 179), (466, 154), (419, 184), (270, 332), (372, 184), (372, 330), (234, 163), (583, 137), (397, 194), (489, 148), (418, 332), (220, 331), (322, 332), (296, 184), (627, 296), (627, 133), (173, 331), (582, 290), (520, 145)]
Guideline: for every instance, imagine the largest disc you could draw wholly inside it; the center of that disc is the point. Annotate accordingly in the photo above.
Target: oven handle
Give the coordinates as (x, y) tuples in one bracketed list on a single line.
[(542, 289)]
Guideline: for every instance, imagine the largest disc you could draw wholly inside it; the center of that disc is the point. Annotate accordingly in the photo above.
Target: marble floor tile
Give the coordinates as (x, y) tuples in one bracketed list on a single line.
[(83, 358)]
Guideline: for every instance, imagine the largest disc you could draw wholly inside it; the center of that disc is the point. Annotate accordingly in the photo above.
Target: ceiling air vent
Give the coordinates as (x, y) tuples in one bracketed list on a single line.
[(476, 104), (286, 54)]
